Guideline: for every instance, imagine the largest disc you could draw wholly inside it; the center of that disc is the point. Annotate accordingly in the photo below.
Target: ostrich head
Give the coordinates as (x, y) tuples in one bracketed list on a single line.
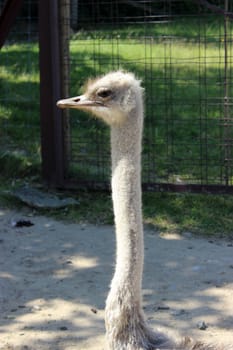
[(113, 98)]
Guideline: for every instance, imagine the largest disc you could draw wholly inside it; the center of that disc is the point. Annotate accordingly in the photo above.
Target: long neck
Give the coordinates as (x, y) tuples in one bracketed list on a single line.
[(126, 192)]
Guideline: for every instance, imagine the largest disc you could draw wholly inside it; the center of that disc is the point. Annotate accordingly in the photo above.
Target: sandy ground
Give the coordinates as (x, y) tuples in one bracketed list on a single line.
[(54, 279)]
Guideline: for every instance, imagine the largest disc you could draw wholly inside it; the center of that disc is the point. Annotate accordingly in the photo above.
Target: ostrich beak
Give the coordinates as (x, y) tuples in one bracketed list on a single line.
[(78, 102)]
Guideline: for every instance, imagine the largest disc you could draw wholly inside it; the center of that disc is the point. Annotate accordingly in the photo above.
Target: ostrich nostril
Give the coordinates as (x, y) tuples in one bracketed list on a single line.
[(76, 99)]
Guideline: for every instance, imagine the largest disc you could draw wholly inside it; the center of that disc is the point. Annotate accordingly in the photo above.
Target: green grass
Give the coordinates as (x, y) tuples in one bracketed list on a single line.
[(19, 110), (183, 77), (206, 215), (184, 103), (210, 26), (199, 214), (183, 80)]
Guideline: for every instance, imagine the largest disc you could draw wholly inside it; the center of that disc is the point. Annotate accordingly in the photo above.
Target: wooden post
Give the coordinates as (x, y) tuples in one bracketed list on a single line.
[(52, 144), (8, 15)]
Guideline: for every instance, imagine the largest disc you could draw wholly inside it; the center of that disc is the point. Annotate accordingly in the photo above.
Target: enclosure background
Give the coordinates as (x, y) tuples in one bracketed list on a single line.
[(181, 50)]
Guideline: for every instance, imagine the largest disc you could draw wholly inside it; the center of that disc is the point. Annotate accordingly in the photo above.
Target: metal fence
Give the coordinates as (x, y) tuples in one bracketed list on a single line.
[(182, 51), (184, 56)]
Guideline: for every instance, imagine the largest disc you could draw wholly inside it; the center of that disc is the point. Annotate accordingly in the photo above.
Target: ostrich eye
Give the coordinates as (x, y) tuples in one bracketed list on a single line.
[(104, 93)]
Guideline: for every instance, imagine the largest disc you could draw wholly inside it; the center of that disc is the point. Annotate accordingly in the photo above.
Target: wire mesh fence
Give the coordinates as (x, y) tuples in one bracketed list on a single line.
[(183, 52)]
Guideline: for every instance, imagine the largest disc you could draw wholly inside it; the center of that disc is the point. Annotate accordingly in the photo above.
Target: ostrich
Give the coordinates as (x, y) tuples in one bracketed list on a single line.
[(117, 99)]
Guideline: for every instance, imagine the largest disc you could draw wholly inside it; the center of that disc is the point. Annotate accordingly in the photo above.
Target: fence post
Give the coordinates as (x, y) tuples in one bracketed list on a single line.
[(8, 15), (52, 145)]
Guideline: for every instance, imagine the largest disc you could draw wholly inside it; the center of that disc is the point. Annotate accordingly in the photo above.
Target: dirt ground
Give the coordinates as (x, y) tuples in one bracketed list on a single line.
[(54, 279)]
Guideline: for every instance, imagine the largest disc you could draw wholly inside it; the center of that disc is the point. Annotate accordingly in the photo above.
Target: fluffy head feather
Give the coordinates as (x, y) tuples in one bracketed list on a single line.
[(111, 97)]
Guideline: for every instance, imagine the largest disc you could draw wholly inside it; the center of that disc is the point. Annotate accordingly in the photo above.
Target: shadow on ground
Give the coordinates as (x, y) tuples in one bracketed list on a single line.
[(55, 278)]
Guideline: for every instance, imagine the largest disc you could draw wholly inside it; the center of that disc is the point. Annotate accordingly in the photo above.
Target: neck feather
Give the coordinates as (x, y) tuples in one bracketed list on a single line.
[(126, 192)]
